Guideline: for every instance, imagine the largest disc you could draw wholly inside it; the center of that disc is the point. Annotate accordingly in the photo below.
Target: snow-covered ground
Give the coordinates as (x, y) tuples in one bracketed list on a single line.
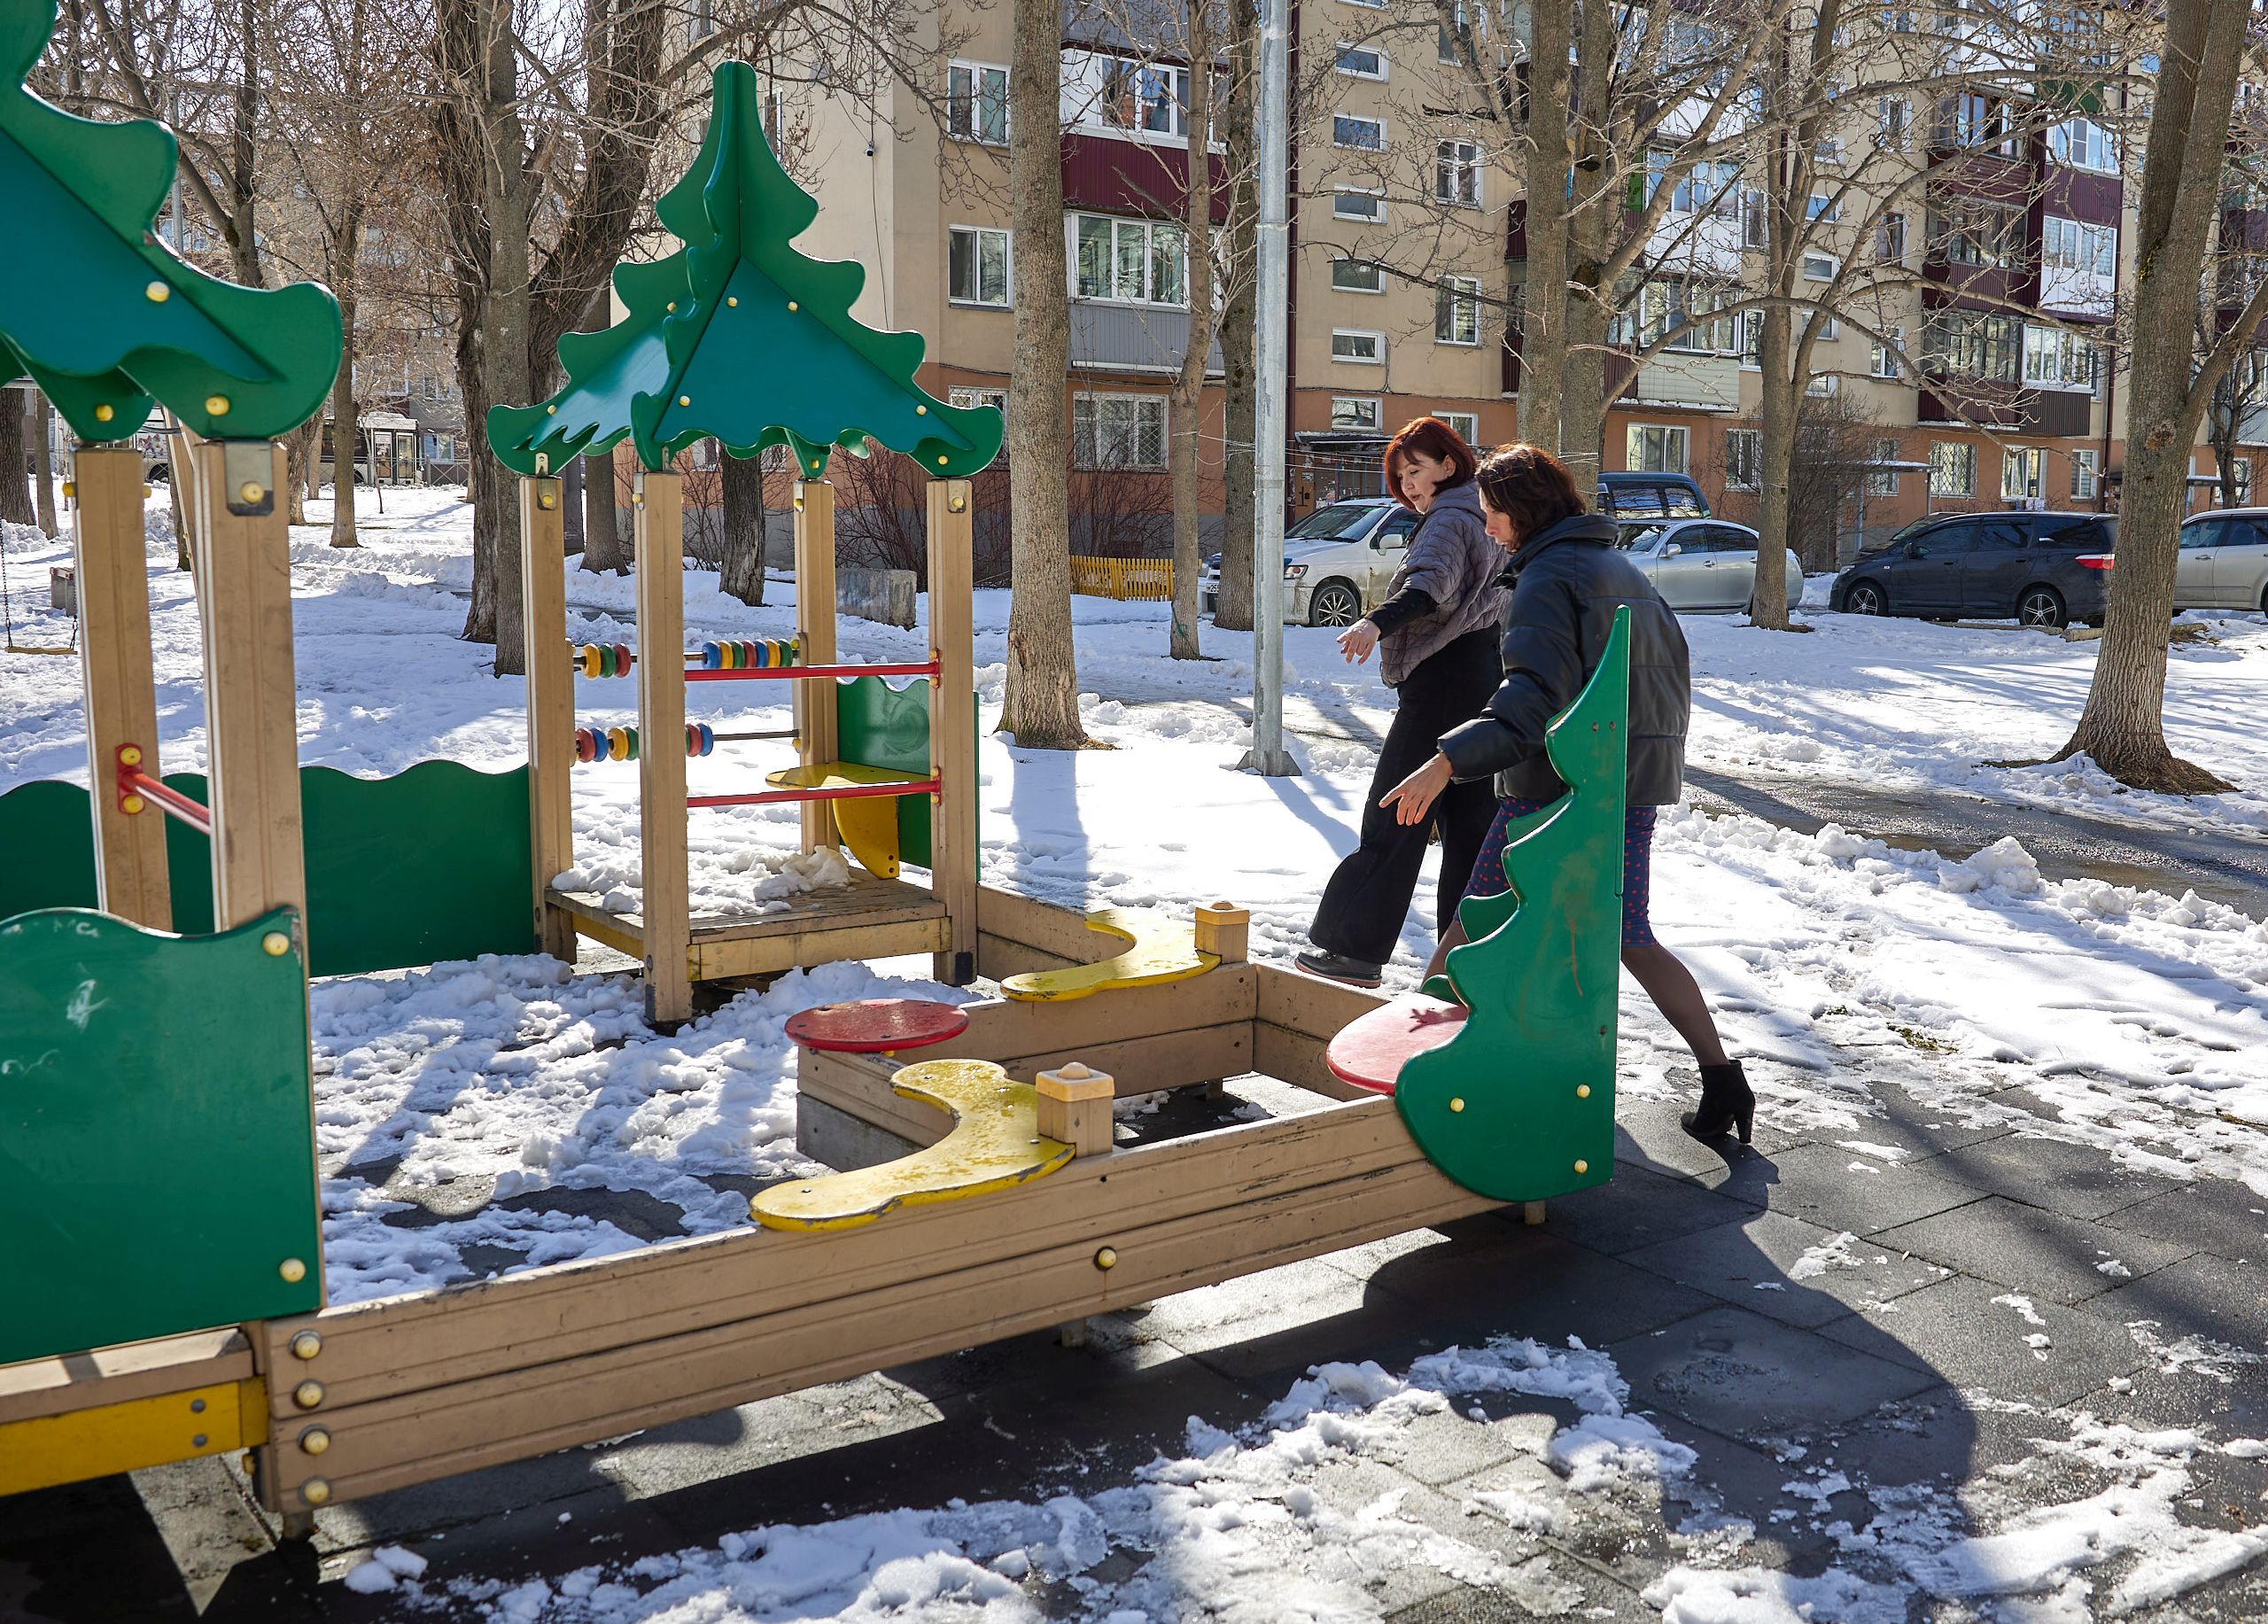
[(2138, 1017)]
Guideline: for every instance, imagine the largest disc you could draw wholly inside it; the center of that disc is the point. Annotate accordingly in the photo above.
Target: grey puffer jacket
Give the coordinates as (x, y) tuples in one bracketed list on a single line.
[(1452, 561), (1567, 583)]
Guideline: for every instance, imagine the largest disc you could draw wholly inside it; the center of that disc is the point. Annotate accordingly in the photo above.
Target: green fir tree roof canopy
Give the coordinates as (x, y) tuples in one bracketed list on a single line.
[(104, 316), (738, 335)]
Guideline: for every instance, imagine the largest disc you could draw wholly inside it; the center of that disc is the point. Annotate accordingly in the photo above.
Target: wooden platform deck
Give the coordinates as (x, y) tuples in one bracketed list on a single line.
[(870, 918)]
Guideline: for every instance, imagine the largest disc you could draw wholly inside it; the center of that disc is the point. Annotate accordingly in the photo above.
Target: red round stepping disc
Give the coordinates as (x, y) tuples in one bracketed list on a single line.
[(877, 1026), (1370, 1052)]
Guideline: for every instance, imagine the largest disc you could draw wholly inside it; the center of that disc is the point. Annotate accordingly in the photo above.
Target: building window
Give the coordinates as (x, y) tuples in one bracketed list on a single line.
[(2083, 475), (1755, 219), (1357, 276), (1898, 19), (1366, 206), (1889, 354), (1368, 134), (977, 267), (1973, 344), (1706, 189), (1361, 62), (1357, 412), (1456, 310), (2054, 359), (1977, 123), (1893, 120), (1150, 98), (2241, 467), (1883, 481), (1743, 459), (2022, 470), (1890, 239), (1130, 261), (1118, 431), (2083, 144), (1456, 173), (2080, 247), (698, 26), (1821, 266), (1655, 449), (1362, 348), (1674, 309), (964, 395), (1973, 231), (1953, 468), (1465, 424), (976, 103), (1751, 338), (1824, 205), (1453, 39)]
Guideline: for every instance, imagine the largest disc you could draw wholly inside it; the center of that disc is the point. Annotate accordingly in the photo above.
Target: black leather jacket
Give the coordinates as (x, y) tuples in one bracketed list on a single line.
[(1567, 583)]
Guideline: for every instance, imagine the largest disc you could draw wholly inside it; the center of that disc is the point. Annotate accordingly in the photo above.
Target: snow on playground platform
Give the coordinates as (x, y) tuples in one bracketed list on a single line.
[(474, 1118)]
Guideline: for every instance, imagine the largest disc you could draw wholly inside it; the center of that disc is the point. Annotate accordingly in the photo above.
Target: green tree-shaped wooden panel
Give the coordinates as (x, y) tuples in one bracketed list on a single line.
[(1519, 1105), (100, 313), (738, 335)]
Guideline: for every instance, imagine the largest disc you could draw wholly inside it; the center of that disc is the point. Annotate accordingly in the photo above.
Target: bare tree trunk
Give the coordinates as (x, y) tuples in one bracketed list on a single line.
[(15, 488), (346, 411), (244, 151), (1189, 384), (299, 466), (1587, 233), (742, 478), (604, 548), (1781, 401), (42, 435), (1543, 327), (1042, 707), (1239, 319), (2124, 726)]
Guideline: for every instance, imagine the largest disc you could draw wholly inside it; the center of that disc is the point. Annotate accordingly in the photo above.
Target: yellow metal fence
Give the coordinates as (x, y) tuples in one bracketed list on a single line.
[(1144, 580)]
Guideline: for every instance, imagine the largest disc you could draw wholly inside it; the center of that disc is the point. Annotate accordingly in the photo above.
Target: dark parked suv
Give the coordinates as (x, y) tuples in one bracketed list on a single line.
[(2041, 569)]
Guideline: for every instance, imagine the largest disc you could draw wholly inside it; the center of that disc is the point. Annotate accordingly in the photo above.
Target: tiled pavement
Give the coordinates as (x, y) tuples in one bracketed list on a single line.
[(1716, 1281)]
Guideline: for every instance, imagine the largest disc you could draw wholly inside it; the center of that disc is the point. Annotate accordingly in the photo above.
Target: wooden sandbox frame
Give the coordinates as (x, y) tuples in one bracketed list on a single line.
[(358, 1400)]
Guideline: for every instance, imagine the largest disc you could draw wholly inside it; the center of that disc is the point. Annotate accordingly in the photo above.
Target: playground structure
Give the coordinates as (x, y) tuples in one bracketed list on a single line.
[(979, 1190)]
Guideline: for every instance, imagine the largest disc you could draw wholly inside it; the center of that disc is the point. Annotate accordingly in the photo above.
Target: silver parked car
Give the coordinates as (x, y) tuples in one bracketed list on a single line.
[(2224, 561), (1701, 564)]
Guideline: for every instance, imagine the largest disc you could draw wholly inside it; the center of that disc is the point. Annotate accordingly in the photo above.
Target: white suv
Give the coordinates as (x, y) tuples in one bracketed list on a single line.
[(1337, 561)]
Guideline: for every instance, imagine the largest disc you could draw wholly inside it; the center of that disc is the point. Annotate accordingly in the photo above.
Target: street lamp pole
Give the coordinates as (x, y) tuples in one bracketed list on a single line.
[(1271, 345)]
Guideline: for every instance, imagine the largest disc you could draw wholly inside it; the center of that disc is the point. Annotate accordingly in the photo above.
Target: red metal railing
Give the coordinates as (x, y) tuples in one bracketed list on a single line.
[(758, 674), (135, 787)]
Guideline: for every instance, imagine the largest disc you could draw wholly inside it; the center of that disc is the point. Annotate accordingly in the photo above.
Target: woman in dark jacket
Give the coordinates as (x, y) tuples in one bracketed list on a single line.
[(1569, 577), (1436, 637)]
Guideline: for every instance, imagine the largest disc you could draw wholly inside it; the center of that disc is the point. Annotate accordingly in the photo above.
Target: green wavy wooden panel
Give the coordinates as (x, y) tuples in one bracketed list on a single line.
[(157, 1134), (878, 726), (1519, 1105), (433, 863)]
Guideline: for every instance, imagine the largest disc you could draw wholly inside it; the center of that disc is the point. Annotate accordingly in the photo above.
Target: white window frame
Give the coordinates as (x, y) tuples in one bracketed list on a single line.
[(2024, 472), (975, 71), (1886, 355), (967, 396), (1636, 454), (1006, 301), (1883, 481), (1452, 167), (2083, 475), (1945, 470), (1464, 425), (1894, 123), (1339, 287), (1463, 295), (1834, 263), (1375, 218), (1356, 336), (1177, 85), (1144, 406), (1744, 448), (1338, 65), (1149, 230), (1371, 419), (2096, 152), (1356, 147)]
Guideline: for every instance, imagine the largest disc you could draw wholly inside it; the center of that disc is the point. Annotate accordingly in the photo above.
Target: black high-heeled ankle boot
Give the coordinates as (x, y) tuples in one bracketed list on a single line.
[(1727, 1103)]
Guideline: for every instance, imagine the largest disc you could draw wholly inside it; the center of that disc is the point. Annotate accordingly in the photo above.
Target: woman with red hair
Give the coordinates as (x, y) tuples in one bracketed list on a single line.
[(1435, 636), (1569, 579)]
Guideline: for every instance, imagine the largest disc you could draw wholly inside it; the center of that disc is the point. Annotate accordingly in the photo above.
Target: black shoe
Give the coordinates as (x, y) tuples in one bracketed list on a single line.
[(1727, 1103), (1337, 966)]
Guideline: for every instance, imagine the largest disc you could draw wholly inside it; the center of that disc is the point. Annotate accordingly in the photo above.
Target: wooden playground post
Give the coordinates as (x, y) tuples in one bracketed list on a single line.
[(659, 553), (114, 580), (953, 723), (551, 704), (241, 548), (815, 715)]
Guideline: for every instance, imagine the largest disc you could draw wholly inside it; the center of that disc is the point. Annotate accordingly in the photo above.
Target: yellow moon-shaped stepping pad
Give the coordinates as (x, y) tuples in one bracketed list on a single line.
[(868, 824), (1158, 949), (994, 1144)]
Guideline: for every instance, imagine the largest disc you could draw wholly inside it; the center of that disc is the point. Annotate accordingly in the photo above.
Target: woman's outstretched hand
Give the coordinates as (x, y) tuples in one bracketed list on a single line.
[(1413, 797), (1356, 641)]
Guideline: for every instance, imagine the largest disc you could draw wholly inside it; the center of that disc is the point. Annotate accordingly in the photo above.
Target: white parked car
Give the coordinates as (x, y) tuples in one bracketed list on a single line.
[(1337, 561), (2223, 562), (1701, 564)]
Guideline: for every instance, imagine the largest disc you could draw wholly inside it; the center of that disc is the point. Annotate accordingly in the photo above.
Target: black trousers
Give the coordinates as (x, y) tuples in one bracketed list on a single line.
[(1368, 898)]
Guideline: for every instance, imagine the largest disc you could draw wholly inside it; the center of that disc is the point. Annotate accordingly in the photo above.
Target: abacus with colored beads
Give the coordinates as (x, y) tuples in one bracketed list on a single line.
[(737, 654), (621, 743)]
